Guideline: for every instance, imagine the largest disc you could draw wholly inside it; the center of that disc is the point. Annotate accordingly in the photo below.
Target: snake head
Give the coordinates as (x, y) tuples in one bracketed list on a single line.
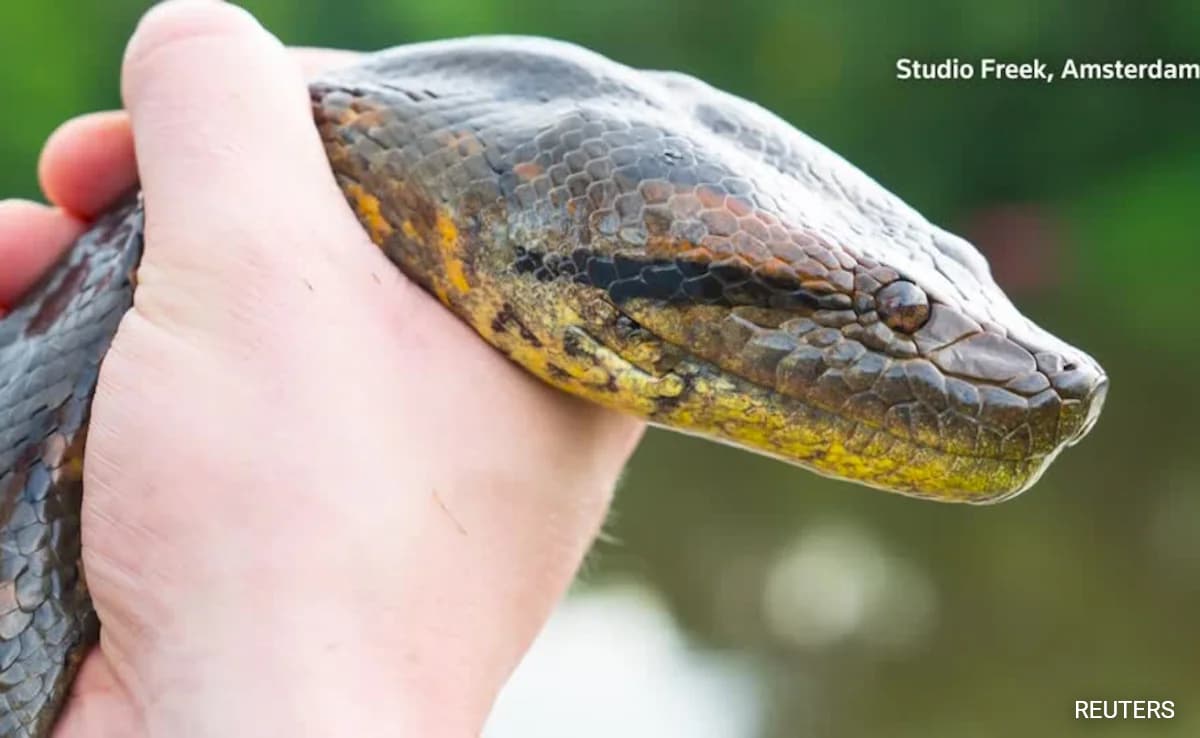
[(661, 247)]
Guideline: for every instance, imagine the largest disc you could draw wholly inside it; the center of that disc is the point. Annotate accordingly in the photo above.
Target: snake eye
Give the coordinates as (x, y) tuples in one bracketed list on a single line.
[(903, 306)]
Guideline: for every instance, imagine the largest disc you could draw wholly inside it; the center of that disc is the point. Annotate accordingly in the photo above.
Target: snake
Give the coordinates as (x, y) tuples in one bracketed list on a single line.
[(636, 238)]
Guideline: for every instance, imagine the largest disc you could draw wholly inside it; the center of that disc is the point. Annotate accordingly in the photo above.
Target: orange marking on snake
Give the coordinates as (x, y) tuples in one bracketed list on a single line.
[(371, 211), (527, 170), (448, 243)]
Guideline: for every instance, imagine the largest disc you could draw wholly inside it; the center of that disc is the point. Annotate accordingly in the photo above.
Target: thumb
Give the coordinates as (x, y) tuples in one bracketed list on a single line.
[(236, 183)]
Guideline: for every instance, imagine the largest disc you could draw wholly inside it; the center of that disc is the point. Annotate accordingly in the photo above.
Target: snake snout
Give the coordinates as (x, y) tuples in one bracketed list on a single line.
[(1082, 386), (1095, 403), (1077, 380), (1089, 383)]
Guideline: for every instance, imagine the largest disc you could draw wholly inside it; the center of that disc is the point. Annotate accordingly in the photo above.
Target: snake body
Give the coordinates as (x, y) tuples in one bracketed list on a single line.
[(636, 238)]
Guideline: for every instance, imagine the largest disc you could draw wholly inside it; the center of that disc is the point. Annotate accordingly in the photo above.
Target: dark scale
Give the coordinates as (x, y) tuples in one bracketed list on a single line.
[(625, 277)]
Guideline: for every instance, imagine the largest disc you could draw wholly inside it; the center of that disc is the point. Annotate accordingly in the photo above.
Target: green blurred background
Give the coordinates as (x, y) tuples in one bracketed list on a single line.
[(858, 613)]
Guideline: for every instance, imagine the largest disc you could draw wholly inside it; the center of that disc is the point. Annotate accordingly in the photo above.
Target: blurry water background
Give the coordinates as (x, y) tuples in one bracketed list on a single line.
[(741, 597)]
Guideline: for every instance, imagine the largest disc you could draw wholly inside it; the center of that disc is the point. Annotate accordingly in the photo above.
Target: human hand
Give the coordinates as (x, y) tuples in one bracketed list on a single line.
[(315, 502)]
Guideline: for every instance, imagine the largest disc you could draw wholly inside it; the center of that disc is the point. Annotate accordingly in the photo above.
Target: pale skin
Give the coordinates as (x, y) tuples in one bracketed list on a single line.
[(316, 504)]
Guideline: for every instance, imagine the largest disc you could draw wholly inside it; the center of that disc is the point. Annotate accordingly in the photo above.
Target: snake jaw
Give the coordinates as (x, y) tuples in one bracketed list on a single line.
[(722, 405)]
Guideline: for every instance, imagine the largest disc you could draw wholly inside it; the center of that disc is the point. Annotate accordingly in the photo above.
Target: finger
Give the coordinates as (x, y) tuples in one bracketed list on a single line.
[(221, 115), (32, 236), (88, 163)]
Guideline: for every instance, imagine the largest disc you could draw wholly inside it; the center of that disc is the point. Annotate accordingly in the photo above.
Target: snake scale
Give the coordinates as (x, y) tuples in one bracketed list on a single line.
[(636, 238)]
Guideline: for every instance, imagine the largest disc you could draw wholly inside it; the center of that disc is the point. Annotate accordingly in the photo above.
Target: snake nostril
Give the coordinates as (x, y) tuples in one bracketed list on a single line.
[(1076, 381)]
